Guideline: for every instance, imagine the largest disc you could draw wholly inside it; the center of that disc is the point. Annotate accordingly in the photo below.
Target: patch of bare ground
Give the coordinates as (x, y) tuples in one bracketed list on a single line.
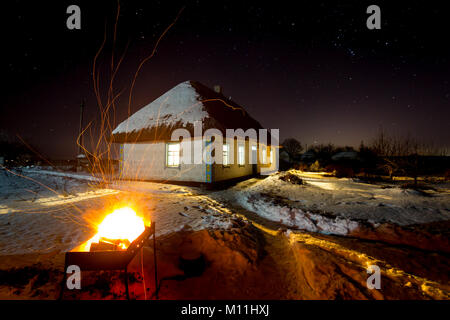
[(331, 267), (224, 264), (30, 276), (413, 260), (239, 264), (248, 261), (434, 236)]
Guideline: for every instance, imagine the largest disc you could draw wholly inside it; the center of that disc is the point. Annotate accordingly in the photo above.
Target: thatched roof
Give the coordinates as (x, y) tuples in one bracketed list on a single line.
[(180, 107)]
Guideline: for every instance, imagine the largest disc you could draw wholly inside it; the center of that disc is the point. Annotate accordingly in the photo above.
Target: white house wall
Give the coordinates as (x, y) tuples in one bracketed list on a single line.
[(234, 170), (147, 161)]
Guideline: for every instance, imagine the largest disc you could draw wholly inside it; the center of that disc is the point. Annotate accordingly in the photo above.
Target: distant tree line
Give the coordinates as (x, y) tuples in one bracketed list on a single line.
[(385, 155), (13, 152)]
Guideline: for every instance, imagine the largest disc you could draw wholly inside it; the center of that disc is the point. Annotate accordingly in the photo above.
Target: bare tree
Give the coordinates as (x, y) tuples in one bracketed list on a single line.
[(292, 146), (400, 154), (384, 146)]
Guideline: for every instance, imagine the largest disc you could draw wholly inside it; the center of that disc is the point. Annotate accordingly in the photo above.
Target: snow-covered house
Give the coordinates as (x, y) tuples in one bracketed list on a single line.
[(148, 150)]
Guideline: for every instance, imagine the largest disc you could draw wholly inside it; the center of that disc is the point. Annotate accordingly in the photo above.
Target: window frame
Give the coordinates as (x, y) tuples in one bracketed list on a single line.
[(241, 145), (227, 157), (264, 155), (253, 150), (270, 156), (167, 155)]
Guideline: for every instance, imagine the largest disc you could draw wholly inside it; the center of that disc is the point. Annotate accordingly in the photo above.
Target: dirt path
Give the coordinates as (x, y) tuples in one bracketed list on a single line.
[(276, 273), (274, 277), (307, 265)]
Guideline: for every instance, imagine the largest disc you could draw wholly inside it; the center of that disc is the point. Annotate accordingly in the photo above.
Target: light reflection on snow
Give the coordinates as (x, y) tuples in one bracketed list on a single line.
[(58, 200), (364, 260), (323, 185)]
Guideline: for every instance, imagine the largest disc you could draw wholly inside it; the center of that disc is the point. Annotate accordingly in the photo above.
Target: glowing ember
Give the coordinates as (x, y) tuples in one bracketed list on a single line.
[(119, 228)]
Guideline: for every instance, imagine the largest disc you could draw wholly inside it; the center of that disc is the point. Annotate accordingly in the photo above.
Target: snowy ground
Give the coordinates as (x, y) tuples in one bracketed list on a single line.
[(331, 205), (42, 211)]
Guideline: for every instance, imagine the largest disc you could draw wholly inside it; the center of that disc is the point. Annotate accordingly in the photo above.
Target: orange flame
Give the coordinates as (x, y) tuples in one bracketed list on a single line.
[(122, 224)]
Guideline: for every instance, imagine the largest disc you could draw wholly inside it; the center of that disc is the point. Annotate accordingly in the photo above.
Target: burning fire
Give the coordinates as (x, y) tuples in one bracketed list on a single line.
[(117, 230)]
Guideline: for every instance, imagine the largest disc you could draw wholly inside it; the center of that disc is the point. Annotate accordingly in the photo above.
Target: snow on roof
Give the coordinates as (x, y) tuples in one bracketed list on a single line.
[(180, 107), (180, 104)]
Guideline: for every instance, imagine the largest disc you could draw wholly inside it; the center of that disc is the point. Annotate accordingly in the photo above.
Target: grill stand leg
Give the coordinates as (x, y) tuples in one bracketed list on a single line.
[(63, 284), (154, 260)]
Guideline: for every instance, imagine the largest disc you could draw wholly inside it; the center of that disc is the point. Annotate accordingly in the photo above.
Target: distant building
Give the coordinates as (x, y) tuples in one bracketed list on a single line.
[(345, 155), (308, 156), (285, 156), (148, 153)]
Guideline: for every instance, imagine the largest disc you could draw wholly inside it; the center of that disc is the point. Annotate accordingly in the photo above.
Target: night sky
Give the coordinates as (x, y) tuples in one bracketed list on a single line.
[(310, 68)]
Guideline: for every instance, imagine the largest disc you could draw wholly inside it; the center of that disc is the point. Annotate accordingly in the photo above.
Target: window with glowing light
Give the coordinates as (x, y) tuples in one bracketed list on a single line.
[(241, 155), (173, 154), (264, 155), (254, 155), (226, 154)]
